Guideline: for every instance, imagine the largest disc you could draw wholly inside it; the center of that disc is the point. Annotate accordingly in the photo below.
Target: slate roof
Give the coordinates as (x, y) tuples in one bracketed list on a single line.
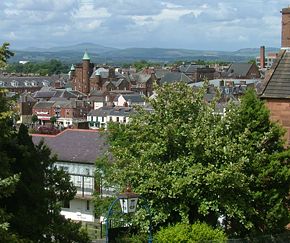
[(26, 97), (75, 145), (134, 98), (54, 94), (103, 72), (159, 73), (141, 77), (97, 93), (189, 68), (65, 104), (175, 77), (112, 111), (101, 112), (13, 81), (277, 82), (238, 69), (121, 111), (43, 104)]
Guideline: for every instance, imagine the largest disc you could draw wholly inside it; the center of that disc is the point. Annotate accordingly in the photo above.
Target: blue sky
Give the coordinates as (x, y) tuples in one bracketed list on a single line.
[(189, 24)]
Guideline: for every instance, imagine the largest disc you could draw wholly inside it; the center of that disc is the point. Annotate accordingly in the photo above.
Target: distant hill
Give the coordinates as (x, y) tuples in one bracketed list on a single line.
[(254, 51), (90, 47), (101, 54)]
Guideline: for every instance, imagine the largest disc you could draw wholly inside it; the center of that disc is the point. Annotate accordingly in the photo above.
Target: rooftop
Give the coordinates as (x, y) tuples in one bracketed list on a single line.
[(75, 145)]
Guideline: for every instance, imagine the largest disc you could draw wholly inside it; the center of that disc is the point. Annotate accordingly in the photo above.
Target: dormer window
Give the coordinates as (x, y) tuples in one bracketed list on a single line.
[(44, 83), (14, 83), (34, 83)]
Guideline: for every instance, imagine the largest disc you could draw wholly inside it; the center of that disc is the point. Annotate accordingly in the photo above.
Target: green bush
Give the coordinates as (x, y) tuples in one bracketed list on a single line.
[(198, 232), (141, 238)]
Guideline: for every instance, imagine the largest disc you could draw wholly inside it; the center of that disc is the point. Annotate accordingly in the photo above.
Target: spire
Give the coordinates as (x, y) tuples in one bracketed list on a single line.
[(86, 56), (72, 68)]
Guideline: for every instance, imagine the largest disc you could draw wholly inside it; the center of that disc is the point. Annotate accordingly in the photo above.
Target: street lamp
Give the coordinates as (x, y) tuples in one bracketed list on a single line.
[(128, 201)]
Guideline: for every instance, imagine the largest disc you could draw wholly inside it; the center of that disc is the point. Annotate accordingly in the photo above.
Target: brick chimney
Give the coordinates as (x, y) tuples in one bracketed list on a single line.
[(262, 57), (285, 42)]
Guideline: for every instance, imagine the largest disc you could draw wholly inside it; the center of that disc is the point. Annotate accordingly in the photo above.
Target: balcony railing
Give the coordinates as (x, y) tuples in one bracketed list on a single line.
[(85, 185)]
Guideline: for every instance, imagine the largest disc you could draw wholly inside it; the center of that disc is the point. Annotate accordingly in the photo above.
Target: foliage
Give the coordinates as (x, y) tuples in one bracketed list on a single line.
[(8, 180), (31, 188), (53, 119), (34, 118), (34, 206), (42, 68), (252, 61), (5, 54), (192, 164), (133, 238), (139, 65), (198, 232)]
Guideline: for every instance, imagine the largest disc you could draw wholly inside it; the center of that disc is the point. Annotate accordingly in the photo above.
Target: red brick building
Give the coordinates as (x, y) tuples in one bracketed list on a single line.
[(276, 86), (80, 75), (86, 77)]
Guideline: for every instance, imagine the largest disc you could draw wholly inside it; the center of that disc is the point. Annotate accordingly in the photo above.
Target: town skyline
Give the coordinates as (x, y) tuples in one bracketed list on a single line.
[(208, 25)]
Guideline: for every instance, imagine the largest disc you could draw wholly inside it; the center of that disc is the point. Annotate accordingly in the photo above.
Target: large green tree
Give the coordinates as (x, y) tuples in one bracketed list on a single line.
[(8, 180), (35, 205), (31, 188), (193, 164)]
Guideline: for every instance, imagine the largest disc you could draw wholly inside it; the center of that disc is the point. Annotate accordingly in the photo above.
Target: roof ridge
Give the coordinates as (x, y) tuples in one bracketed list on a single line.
[(268, 77)]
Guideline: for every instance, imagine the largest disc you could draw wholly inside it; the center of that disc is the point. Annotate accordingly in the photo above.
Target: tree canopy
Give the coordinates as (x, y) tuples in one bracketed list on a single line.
[(42, 68), (31, 188), (33, 207), (192, 164)]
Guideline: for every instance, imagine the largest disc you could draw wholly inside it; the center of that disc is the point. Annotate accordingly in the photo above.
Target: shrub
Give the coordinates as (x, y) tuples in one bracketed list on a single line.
[(181, 233)]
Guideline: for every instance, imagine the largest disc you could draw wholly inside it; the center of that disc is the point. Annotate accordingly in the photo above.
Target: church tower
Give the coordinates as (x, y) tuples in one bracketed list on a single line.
[(86, 74)]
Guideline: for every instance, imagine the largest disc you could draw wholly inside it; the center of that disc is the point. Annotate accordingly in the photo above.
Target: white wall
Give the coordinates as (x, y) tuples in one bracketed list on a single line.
[(78, 211), (65, 121), (98, 105), (102, 121), (84, 182), (120, 101)]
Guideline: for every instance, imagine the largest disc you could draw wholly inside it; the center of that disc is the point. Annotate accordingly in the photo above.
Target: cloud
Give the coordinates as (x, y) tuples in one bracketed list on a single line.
[(194, 24)]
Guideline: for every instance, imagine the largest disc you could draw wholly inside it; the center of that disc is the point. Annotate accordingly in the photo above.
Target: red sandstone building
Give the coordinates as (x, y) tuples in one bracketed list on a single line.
[(276, 86), (86, 77)]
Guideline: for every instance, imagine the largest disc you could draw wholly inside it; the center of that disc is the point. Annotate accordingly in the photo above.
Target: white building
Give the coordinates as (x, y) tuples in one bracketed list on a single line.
[(129, 100), (77, 151), (101, 117)]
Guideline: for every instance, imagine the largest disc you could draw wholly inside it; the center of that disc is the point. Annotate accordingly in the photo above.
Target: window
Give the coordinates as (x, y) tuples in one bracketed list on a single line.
[(88, 205), (87, 171), (117, 119), (111, 119), (103, 119), (65, 204)]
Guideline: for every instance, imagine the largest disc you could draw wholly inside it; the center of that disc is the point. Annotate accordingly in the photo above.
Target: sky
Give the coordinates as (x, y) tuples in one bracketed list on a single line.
[(189, 24)]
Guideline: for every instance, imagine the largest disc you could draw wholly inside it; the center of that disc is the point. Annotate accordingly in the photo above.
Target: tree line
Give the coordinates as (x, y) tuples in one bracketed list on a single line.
[(49, 68)]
